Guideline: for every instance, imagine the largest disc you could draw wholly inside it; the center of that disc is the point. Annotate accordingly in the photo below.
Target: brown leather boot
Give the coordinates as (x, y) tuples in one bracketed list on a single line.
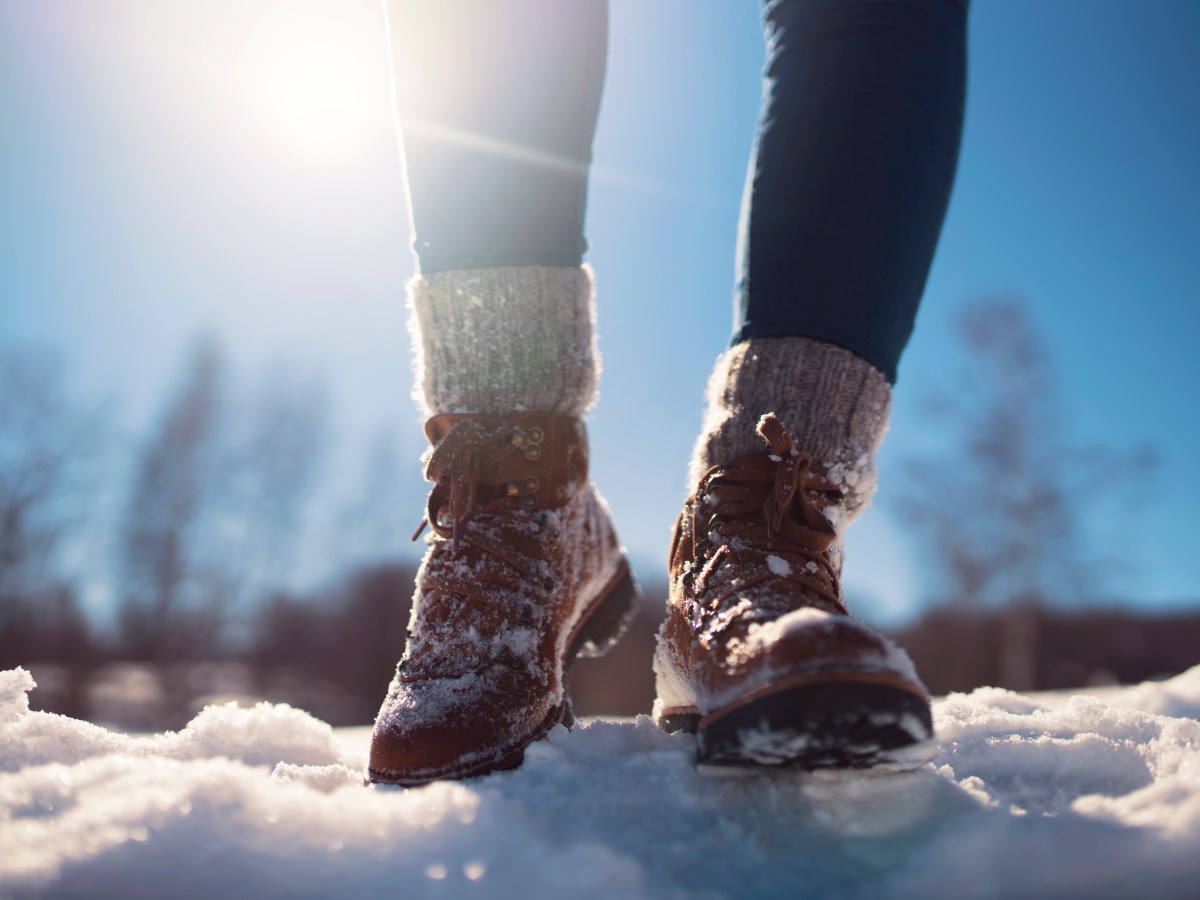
[(523, 573), (758, 654)]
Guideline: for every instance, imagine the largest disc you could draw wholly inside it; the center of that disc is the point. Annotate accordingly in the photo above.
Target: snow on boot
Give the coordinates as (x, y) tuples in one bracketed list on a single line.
[(523, 572), (758, 655)]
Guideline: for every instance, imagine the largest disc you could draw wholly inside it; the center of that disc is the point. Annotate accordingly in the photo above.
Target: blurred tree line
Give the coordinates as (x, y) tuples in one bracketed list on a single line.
[(213, 511), (209, 517), (999, 515)]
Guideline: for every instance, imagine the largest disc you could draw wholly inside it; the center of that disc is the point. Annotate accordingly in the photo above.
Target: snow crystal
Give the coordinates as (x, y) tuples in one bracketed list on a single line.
[(779, 565), (672, 689), (15, 685), (1027, 795)]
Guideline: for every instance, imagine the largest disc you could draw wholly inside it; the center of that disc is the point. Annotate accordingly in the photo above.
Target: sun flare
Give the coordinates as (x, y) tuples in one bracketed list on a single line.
[(313, 91)]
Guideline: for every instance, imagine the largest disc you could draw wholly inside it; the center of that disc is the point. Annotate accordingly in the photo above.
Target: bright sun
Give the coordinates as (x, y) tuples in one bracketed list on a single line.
[(314, 91)]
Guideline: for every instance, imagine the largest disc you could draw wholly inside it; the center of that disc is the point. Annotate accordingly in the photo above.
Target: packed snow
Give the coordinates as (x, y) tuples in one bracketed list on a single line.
[(1028, 795)]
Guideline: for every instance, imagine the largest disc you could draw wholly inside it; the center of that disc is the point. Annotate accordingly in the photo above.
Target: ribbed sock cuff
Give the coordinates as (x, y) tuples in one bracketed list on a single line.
[(833, 402), (504, 340)]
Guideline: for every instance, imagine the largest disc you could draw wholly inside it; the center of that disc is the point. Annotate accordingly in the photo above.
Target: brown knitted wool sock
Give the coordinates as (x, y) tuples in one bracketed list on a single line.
[(833, 402), (504, 340)]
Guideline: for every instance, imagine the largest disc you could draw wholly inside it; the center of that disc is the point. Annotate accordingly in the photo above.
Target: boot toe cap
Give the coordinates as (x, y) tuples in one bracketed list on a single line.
[(438, 729), (804, 646)]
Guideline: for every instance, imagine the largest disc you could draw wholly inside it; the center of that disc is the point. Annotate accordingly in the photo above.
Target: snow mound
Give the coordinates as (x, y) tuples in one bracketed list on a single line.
[(1026, 796)]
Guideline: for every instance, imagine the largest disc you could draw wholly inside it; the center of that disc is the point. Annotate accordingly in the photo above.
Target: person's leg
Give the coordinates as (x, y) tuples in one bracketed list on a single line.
[(497, 103), (849, 181), (850, 178), (497, 107)]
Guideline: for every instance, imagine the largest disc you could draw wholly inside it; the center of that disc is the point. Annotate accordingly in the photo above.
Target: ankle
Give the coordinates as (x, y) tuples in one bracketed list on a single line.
[(834, 403)]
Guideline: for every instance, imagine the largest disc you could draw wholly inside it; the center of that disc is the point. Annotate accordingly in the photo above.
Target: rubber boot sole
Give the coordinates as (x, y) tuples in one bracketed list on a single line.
[(851, 723)]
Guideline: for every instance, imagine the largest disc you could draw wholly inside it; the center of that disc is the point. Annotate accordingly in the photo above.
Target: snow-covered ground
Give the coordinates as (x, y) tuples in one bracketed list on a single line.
[(1027, 796)]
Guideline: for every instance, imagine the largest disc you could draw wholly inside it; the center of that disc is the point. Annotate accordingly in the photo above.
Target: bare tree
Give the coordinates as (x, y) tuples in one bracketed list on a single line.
[(273, 460), (371, 526), (174, 480), (49, 448), (1000, 515), (216, 505)]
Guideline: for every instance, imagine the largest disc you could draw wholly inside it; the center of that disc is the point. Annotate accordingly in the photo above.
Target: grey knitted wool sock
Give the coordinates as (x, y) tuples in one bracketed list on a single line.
[(504, 340), (833, 402)]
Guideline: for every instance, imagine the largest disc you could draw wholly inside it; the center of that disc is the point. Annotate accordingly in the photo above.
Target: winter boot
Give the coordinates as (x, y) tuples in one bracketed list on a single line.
[(523, 570), (758, 655)]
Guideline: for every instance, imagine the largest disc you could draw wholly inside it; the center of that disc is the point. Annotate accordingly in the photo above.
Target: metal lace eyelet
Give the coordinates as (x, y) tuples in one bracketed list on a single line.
[(529, 501), (536, 435), (533, 451), (530, 484)]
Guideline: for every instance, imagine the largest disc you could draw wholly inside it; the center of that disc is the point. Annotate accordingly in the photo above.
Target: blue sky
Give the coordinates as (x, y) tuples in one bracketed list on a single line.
[(160, 175)]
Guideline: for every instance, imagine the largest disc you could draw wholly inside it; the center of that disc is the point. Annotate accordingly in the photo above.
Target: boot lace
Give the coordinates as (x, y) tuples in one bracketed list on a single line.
[(766, 520), (456, 466)]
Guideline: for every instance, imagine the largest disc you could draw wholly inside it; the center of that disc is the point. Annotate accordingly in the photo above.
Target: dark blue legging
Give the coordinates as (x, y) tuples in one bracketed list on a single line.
[(849, 180)]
